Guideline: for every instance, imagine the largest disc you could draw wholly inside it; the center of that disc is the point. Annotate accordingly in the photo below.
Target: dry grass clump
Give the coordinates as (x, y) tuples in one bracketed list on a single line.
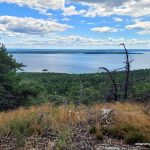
[(96, 129), (132, 123), (34, 119), (134, 115)]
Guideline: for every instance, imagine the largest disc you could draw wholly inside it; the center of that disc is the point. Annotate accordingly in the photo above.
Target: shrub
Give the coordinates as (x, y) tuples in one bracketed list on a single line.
[(64, 139), (97, 131), (92, 129), (135, 137), (21, 126), (99, 135), (20, 140), (114, 132), (28, 90), (128, 128)]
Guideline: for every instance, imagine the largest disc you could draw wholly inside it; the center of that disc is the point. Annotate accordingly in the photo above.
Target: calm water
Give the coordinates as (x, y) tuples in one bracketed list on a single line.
[(80, 63)]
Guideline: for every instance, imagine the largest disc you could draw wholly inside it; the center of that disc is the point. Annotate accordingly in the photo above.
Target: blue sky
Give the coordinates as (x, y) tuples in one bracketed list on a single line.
[(75, 23)]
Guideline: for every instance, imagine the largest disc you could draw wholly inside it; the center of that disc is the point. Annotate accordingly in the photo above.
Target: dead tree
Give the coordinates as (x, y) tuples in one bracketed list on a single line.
[(127, 82), (113, 80), (127, 71)]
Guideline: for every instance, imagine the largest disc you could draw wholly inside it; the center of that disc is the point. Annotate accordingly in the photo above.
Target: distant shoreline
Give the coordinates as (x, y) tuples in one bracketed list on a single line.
[(76, 52)]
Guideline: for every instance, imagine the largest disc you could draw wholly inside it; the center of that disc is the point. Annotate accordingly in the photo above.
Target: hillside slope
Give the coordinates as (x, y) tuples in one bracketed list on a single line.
[(101, 126)]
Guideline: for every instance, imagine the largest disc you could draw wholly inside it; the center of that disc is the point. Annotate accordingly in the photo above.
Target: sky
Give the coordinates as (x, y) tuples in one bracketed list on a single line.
[(75, 24)]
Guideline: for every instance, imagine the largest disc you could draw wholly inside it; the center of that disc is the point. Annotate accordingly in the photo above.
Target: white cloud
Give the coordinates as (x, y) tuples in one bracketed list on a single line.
[(134, 8), (107, 2), (72, 41), (41, 5), (44, 5), (15, 25), (104, 29), (118, 19), (142, 27), (71, 10)]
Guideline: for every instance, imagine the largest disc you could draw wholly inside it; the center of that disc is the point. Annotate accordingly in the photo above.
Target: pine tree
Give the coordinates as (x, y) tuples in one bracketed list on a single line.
[(8, 79)]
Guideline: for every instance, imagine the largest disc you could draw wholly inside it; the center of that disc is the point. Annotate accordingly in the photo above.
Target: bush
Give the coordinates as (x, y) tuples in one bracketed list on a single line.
[(135, 137), (114, 132), (97, 131), (64, 139), (92, 129), (28, 90), (20, 140), (99, 135), (21, 126), (128, 128), (127, 132), (57, 100)]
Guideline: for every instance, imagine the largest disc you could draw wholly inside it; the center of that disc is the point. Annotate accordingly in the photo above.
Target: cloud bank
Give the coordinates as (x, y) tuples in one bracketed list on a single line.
[(28, 25)]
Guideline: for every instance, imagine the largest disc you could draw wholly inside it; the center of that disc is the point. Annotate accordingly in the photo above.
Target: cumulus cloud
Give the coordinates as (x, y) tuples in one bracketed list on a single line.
[(142, 27), (134, 8), (107, 2), (16, 25), (71, 10), (92, 8), (41, 5), (104, 29)]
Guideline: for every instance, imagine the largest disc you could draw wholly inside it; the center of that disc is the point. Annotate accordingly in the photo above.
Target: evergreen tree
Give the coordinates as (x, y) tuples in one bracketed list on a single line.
[(8, 79)]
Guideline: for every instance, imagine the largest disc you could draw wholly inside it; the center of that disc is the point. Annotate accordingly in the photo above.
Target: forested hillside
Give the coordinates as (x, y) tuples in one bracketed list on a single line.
[(85, 88)]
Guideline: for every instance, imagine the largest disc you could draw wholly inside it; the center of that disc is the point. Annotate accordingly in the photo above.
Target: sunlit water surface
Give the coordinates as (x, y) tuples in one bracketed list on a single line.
[(80, 63)]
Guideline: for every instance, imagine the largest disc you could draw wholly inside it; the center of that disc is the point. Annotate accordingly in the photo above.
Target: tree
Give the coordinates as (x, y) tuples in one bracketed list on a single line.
[(114, 83), (8, 79), (127, 70), (127, 83), (28, 92)]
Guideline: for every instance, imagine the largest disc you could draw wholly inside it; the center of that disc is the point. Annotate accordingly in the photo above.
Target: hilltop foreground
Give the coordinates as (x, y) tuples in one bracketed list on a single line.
[(100, 126)]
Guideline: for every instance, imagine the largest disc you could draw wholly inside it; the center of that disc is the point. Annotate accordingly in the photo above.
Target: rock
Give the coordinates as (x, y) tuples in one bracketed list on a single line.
[(118, 147), (143, 144), (106, 115)]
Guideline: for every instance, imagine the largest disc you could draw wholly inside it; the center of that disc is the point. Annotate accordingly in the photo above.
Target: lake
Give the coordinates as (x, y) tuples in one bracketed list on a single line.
[(79, 62)]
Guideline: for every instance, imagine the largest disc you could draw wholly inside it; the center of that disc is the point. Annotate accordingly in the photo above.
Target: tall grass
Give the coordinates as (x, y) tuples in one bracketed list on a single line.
[(35, 119), (27, 121)]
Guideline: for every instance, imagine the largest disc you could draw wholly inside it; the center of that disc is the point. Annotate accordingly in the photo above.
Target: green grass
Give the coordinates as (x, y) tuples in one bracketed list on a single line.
[(135, 137)]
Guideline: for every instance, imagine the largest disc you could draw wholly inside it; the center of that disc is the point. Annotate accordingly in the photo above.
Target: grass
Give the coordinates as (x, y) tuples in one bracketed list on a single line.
[(114, 132), (96, 129), (36, 118), (132, 123), (64, 139), (135, 137)]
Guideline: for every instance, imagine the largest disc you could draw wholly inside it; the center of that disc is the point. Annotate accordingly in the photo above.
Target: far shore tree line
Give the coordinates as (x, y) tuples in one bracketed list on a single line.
[(25, 89)]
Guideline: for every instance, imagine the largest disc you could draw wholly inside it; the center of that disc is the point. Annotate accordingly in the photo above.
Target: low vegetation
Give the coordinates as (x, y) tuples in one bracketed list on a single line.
[(130, 122), (86, 88), (63, 110)]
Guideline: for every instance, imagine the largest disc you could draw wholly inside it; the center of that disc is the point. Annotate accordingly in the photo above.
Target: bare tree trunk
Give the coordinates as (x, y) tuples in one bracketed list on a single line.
[(115, 93), (127, 67)]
